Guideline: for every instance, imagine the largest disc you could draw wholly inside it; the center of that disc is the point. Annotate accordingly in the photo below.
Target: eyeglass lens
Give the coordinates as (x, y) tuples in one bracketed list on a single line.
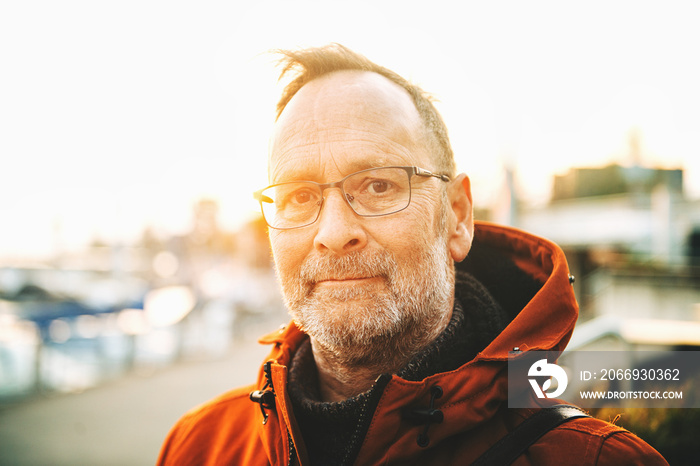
[(376, 192)]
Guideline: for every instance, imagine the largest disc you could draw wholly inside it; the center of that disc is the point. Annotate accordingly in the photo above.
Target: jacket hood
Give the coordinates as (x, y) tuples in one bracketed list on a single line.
[(528, 276)]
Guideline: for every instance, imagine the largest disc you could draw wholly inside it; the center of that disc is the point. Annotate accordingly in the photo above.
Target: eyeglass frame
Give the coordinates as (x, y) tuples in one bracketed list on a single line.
[(410, 171)]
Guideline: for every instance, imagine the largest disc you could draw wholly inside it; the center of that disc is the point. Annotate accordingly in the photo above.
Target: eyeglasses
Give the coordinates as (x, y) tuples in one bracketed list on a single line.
[(369, 193)]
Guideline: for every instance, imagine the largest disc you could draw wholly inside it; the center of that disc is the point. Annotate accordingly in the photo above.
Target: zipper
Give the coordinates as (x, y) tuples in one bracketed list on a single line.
[(292, 450), (367, 409)]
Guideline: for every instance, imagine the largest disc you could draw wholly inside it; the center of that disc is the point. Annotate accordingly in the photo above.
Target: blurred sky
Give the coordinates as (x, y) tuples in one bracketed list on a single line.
[(119, 115)]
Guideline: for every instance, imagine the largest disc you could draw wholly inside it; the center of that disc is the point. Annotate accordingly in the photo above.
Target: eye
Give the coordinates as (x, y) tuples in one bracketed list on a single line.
[(301, 197), (378, 186)]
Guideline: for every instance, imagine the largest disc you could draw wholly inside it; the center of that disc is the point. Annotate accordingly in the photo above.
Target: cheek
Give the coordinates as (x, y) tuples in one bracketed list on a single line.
[(405, 231), (422, 218), (288, 251)]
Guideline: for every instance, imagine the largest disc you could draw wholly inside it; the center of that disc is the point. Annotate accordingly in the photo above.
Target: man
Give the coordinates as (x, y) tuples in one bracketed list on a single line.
[(394, 355)]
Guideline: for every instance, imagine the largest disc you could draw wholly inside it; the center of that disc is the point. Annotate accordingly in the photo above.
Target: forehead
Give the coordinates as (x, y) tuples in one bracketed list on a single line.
[(343, 122)]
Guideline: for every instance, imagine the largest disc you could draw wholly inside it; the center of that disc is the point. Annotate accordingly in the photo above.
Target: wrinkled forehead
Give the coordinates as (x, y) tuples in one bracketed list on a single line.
[(345, 108)]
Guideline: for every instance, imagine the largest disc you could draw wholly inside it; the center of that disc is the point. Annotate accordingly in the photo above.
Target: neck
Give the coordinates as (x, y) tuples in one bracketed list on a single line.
[(337, 380), (347, 372)]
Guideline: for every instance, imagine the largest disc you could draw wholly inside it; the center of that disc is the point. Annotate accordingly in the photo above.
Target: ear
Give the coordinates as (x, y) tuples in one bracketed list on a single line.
[(461, 226)]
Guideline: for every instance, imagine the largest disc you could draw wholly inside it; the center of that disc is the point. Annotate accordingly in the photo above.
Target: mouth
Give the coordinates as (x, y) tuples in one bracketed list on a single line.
[(347, 281)]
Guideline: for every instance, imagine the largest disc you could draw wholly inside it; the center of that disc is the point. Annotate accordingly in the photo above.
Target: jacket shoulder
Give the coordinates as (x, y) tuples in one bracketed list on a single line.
[(587, 441), (217, 409), (224, 427)]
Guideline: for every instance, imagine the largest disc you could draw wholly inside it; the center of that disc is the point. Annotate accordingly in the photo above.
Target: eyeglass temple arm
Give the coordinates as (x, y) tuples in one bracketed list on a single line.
[(423, 172), (258, 196)]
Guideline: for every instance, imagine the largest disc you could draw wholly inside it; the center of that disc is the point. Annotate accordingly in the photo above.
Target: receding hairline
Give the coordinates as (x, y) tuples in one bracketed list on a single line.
[(306, 65), (360, 85)]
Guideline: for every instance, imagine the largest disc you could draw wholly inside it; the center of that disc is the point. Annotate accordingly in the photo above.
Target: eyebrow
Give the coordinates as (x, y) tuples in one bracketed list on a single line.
[(304, 174)]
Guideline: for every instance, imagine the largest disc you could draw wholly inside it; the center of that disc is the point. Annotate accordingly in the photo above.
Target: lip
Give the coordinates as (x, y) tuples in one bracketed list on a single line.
[(346, 281)]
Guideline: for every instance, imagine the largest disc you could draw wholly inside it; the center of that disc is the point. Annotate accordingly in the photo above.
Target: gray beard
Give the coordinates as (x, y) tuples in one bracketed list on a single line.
[(363, 327)]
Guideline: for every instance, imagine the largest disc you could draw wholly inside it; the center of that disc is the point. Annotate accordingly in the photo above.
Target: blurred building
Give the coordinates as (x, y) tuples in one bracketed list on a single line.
[(632, 239), (637, 211)]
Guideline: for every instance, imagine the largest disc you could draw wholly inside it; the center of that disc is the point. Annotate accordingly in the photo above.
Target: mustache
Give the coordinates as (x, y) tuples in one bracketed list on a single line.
[(359, 264)]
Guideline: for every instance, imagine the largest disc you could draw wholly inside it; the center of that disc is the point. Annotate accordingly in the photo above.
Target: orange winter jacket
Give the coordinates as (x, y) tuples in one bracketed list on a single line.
[(232, 429)]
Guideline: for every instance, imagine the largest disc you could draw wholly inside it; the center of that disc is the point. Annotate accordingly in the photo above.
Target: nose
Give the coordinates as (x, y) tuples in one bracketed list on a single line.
[(339, 229)]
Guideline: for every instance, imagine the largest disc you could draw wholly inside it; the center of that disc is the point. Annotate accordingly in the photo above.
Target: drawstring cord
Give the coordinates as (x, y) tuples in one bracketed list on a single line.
[(427, 416), (265, 397)]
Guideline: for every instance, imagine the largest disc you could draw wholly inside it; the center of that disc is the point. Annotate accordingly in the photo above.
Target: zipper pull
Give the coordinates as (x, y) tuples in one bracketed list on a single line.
[(265, 397)]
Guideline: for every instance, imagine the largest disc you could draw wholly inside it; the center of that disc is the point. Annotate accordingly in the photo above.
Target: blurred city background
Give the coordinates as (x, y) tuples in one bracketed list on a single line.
[(135, 273)]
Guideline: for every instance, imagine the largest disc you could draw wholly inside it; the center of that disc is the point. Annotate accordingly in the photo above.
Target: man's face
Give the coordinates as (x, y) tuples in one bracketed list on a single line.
[(355, 284)]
